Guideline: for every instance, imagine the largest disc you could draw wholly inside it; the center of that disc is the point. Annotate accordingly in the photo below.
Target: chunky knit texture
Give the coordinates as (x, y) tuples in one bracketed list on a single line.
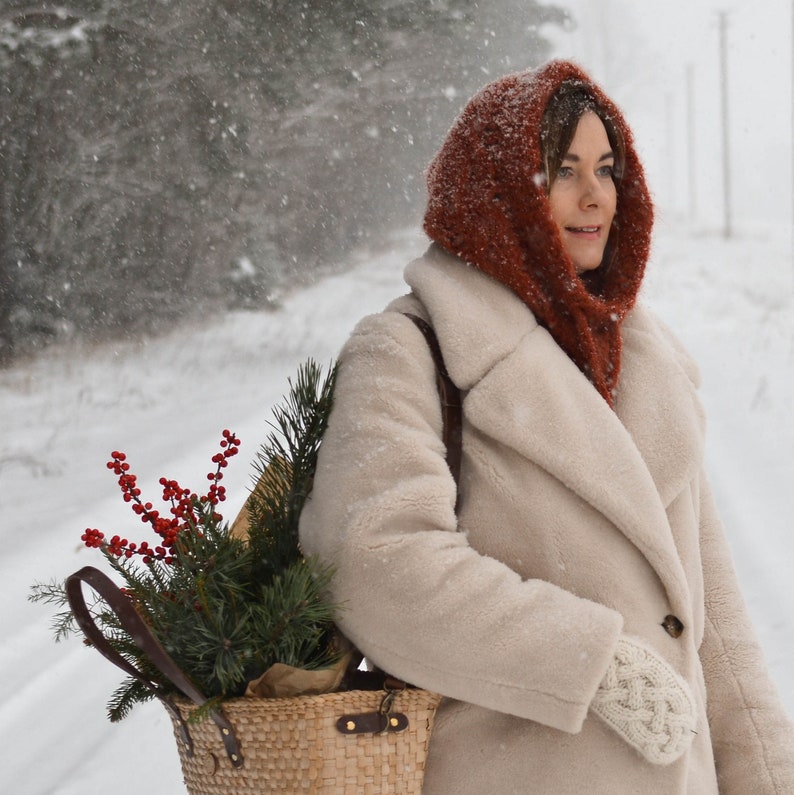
[(487, 203), (647, 703)]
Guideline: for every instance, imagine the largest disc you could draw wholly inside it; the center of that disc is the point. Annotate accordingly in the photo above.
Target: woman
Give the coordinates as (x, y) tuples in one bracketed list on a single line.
[(579, 613)]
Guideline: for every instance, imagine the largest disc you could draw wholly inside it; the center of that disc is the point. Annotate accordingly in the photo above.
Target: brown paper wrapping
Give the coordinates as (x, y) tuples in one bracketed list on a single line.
[(284, 681)]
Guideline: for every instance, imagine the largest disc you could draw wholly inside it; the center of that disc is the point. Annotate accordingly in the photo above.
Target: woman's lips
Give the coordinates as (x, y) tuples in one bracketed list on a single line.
[(584, 232)]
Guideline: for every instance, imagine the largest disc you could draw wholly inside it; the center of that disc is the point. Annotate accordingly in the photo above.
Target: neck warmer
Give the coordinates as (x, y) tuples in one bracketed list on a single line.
[(487, 203)]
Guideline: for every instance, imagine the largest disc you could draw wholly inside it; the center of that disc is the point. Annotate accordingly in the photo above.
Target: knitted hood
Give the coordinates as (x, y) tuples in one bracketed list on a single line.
[(488, 205)]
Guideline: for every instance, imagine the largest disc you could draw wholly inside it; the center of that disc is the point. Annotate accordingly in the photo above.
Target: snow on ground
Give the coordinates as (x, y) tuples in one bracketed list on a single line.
[(165, 402)]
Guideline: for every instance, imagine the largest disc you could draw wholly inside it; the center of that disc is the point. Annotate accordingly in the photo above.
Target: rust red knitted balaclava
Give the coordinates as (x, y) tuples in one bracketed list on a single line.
[(488, 205)]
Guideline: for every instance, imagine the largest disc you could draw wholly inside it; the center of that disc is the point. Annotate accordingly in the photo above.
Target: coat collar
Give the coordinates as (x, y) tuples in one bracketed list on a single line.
[(522, 390)]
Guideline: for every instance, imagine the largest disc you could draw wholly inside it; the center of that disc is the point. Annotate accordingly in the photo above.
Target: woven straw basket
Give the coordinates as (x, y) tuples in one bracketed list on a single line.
[(350, 741), (294, 745)]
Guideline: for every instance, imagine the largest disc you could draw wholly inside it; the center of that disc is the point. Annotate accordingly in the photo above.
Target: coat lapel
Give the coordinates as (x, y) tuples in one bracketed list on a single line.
[(657, 402), (524, 392)]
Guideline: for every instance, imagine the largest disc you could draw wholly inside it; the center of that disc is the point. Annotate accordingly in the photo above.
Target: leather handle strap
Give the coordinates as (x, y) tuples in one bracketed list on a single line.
[(451, 403), (137, 629)]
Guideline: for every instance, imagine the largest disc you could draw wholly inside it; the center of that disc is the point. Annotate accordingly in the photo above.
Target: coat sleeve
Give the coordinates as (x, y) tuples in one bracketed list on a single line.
[(415, 597), (752, 737)]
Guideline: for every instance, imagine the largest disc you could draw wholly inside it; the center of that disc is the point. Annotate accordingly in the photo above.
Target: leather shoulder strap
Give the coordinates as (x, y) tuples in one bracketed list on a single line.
[(451, 404)]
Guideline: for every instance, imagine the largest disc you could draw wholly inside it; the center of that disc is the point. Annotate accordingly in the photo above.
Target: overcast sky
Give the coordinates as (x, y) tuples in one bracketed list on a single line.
[(640, 53)]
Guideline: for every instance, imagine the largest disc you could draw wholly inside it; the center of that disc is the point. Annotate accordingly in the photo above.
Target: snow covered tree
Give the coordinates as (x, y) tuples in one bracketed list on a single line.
[(163, 157)]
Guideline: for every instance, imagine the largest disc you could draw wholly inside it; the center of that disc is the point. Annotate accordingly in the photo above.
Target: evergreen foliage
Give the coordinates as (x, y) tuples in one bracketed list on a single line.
[(285, 469), (162, 158), (225, 607)]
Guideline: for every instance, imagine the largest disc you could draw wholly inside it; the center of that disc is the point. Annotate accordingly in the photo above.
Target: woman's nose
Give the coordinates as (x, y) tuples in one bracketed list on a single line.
[(593, 193)]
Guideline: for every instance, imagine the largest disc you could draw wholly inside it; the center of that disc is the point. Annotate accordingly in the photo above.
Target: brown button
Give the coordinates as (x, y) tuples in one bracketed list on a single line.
[(673, 626)]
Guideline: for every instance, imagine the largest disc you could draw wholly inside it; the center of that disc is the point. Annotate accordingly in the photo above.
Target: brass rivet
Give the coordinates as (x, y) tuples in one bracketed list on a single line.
[(394, 721), (351, 725), (226, 732), (234, 757)]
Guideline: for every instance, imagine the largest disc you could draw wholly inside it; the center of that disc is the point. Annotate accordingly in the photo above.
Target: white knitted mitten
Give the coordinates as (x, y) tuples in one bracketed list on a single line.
[(646, 702)]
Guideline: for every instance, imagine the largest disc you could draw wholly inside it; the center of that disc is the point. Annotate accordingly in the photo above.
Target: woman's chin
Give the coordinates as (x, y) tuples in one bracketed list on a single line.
[(587, 267)]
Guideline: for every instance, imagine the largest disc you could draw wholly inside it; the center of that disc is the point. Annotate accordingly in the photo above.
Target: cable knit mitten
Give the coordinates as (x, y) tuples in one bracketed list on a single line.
[(646, 702)]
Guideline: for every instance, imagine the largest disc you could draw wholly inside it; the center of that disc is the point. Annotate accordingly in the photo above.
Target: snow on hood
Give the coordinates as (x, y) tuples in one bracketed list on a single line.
[(488, 204)]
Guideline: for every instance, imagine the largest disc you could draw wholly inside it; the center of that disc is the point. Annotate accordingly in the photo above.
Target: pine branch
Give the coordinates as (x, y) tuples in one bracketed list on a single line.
[(224, 608), (285, 467), (54, 593), (293, 616), (124, 698)]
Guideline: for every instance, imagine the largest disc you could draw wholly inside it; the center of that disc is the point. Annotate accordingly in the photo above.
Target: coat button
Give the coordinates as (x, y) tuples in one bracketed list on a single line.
[(673, 626)]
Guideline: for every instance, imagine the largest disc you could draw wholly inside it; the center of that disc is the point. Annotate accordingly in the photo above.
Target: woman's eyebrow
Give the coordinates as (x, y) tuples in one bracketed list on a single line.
[(576, 159)]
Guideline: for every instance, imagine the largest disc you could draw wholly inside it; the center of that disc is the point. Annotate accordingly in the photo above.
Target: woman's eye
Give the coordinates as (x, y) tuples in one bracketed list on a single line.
[(606, 171), (564, 171)]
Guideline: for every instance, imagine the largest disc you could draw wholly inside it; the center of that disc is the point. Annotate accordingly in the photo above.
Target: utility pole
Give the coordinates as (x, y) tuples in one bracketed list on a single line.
[(670, 146), (726, 165)]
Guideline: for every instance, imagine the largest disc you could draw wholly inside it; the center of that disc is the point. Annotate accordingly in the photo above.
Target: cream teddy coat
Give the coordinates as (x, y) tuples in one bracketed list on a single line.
[(577, 524)]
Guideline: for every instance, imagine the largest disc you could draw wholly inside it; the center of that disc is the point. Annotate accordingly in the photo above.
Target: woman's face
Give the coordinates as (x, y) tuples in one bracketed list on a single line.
[(582, 195)]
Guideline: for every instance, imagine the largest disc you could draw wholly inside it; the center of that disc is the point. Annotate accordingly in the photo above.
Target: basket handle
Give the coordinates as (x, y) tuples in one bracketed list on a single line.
[(142, 636)]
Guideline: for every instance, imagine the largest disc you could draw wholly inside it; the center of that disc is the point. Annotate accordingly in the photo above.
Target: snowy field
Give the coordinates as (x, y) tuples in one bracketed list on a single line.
[(165, 402)]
